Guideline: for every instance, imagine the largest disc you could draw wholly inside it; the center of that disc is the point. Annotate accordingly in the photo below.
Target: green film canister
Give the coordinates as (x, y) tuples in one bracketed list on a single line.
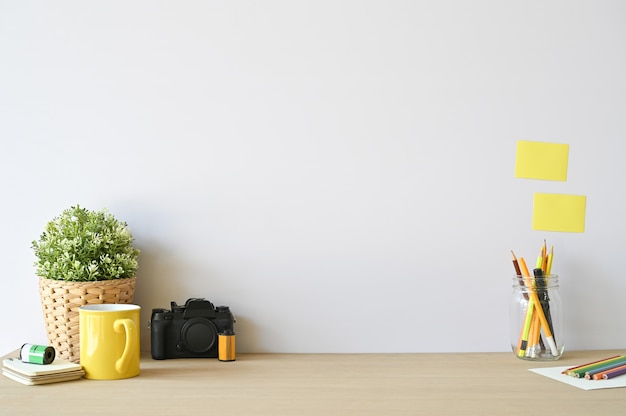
[(37, 354)]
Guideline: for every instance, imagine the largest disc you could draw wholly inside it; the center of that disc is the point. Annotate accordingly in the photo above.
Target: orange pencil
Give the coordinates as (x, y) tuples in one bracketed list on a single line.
[(600, 376), (536, 330), (614, 372), (532, 338), (549, 262)]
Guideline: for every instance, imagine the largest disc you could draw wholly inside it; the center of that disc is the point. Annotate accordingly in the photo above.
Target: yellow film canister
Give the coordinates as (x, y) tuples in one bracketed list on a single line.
[(226, 347)]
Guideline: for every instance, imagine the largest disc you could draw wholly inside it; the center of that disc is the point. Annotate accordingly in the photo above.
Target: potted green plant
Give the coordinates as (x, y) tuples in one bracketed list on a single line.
[(83, 257)]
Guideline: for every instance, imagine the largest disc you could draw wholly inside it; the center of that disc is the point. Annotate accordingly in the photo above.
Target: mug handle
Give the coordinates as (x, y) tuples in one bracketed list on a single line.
[(128, 325)]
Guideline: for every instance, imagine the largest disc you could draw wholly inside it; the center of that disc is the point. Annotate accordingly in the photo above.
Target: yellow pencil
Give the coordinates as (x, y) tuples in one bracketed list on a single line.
[(523, 342), (542, 258), (538, 308), (539, 263), (544, 255), (530, 351)]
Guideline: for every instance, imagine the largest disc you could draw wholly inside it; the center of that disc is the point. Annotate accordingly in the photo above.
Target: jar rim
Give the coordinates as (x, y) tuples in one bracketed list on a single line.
[(549, 280)]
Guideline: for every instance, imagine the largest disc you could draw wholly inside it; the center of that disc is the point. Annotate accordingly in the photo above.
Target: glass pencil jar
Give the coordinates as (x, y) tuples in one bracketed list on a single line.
[(536, 318)]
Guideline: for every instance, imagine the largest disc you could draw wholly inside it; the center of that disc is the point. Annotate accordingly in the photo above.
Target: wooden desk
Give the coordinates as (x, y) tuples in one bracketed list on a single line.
[(324, 384)]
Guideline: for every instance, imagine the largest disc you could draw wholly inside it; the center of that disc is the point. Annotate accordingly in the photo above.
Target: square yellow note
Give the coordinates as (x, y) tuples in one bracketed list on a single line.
[(559, 212), (538, 160)]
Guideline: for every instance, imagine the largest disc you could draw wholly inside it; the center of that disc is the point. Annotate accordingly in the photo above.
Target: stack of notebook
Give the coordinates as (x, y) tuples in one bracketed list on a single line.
[(33, 374)]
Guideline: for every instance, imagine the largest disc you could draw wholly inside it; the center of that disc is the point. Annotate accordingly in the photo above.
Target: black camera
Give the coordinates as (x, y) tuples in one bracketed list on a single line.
[(189, 331)]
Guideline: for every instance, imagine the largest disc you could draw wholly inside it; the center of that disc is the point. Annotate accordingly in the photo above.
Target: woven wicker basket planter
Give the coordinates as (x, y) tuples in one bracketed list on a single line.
[(60, 301)]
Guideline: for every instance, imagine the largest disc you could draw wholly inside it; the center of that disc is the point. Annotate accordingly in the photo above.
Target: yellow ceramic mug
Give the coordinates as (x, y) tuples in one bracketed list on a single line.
[(109, 341)]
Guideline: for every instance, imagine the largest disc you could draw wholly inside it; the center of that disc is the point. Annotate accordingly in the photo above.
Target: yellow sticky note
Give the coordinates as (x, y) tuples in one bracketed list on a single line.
[(539, 160), (559, 212)]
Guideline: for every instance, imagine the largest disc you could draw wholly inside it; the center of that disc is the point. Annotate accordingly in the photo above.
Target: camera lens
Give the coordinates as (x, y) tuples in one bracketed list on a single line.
[(198, 335)]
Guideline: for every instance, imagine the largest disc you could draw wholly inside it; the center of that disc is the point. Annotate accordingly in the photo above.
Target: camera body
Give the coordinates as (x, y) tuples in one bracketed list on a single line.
[(189, 331)]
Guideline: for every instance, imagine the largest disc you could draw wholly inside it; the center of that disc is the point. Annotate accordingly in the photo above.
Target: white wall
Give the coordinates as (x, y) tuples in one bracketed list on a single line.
[(341, 173)]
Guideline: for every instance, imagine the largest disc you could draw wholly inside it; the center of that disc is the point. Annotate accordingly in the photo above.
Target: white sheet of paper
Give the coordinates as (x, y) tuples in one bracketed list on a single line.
[(555, 374)]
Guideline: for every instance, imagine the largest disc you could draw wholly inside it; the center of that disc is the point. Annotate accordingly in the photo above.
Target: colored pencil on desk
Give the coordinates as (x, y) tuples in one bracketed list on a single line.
[(606, 367), (614, 373), (599, 375), (567, 370), (580, 372)]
